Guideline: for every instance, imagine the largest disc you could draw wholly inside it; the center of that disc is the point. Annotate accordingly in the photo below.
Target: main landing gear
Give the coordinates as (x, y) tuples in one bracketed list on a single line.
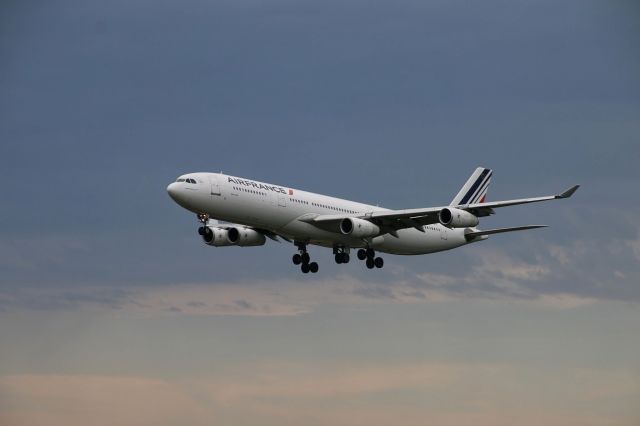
[(341, 254), (304, 260), (371, 260)]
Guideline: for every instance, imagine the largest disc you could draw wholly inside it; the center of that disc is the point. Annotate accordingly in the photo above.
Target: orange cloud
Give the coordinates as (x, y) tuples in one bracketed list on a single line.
[(440, 394)]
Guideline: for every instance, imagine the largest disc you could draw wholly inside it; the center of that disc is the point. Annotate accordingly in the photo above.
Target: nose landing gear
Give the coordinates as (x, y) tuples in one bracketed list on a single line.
[(203, 230)]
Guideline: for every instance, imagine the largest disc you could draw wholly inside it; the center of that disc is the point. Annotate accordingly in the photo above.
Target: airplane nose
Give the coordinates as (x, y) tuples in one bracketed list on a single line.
[(172, 189)]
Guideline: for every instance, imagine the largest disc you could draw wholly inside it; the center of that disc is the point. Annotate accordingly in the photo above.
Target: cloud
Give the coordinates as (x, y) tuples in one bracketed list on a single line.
[(63, 298), (554, 274), (97, 400), (634, 245), (329, 393)]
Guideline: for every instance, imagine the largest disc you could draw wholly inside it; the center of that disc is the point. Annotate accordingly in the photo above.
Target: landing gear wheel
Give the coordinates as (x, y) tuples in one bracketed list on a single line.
[(362, 254), (339, 258), (370, 263), (378, 262), (345, 257), (313, 267), (201, 230), (305, 268), (297, 259), (305, 257), (370, 253)]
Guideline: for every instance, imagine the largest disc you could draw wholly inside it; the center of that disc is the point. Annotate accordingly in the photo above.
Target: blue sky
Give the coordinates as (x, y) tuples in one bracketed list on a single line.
[(104, 283)]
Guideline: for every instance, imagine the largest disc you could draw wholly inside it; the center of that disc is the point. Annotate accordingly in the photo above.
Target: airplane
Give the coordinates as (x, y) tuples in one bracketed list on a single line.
[(253, 211)]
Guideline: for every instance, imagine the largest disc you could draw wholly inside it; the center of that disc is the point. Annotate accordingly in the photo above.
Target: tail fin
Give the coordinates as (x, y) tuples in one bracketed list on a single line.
[(475, 189)]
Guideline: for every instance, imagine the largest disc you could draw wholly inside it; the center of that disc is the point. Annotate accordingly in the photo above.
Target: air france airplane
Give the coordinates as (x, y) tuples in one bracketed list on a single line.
[(253, 211)]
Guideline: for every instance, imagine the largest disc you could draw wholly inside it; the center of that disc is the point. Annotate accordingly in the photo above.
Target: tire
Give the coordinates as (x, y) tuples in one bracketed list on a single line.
[(370, 263), (362, 254), (378, 262), (305, 257), (305, 268), (313, 267), (345, 258), (338, 258), (370, 253), (201, 230), (297, 259)]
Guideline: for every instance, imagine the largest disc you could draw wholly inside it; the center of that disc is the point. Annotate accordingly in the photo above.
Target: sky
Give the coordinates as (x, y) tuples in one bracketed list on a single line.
[(112, 311)]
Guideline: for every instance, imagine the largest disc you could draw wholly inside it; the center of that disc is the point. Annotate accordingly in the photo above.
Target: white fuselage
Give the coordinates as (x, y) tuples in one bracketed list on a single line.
[(280, 209)]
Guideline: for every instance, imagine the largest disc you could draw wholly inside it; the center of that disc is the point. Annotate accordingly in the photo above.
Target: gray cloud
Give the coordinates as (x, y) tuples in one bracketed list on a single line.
[(63, 299)]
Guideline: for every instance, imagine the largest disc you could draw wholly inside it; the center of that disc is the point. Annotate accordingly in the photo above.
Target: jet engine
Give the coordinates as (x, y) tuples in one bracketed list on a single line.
[(358, 228), (245, 237), (216, 237), (456, 218)]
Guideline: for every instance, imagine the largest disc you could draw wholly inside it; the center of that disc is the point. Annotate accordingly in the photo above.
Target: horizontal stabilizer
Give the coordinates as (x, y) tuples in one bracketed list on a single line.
[(473, 234)]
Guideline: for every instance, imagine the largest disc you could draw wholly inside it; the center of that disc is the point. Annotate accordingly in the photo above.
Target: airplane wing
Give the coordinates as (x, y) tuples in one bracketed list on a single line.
[(429, 215), (393, 220), (485, 209)]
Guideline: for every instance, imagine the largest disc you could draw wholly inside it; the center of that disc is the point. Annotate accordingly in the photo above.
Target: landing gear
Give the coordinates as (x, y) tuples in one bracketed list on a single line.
[(203, 218), (341, 254), (304, 260), (371, 260)]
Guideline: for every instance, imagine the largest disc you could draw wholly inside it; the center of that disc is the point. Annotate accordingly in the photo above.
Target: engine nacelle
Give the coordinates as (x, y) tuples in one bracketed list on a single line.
[(456, 218), (245, 237), (358, 228), (216, 237)]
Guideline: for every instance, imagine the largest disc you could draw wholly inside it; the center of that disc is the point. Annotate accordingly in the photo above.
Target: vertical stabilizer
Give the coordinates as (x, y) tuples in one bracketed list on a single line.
[(475, 189)]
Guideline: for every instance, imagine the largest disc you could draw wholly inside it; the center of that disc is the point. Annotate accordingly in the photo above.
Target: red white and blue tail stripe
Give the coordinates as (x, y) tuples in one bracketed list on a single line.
[(475, 189)]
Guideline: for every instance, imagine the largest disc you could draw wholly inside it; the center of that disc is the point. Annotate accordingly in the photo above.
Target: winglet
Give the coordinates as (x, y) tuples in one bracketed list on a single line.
[(569, 192)]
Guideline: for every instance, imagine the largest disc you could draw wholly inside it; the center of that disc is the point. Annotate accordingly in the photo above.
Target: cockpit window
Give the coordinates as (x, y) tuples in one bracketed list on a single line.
[(180, 180), (191, 181)]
